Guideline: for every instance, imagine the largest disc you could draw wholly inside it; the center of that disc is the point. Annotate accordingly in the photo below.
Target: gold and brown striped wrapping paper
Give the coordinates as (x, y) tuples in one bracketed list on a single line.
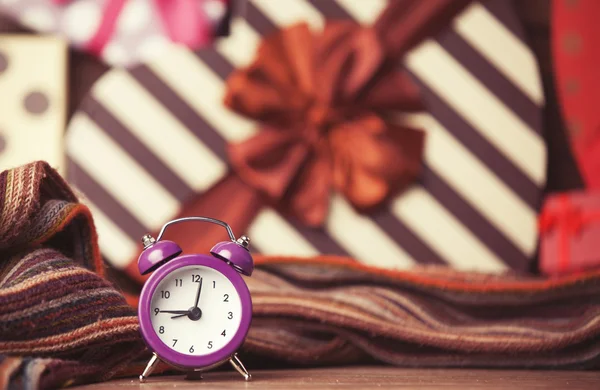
[(148, 139)]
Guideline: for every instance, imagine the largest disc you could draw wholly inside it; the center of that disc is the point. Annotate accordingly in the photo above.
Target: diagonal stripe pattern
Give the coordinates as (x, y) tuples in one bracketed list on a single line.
[(474, 208)]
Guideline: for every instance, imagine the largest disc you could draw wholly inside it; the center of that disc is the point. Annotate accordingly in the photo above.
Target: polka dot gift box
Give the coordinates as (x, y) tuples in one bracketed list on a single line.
[(397, 133), (575, 36), (125, 32), (33, 85)]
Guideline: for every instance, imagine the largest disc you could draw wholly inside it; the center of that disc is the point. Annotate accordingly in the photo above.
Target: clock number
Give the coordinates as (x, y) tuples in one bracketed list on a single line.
[(192, 349), (223, 333), (161, 330), (174, 342), (156, 311), (214, 284), (230, 315), (209, 345), (226, 298), (165, 294), (178, 282), (196, 278)]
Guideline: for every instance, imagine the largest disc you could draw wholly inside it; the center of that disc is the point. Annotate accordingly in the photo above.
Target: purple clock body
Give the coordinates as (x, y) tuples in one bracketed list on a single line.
[(176, 358)]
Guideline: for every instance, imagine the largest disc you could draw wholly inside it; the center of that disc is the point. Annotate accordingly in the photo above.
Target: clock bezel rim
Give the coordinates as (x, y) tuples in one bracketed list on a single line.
[(179, 359)]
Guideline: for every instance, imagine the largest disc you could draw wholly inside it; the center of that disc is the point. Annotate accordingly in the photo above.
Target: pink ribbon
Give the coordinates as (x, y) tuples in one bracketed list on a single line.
[(183, 21)]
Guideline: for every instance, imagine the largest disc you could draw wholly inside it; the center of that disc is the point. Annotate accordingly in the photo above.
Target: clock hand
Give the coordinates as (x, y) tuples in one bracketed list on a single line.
[(198, 294), (180, 315), (185, 312)]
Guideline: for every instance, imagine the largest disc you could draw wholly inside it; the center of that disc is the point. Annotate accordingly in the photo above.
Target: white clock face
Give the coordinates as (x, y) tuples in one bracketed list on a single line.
[(190, 328)]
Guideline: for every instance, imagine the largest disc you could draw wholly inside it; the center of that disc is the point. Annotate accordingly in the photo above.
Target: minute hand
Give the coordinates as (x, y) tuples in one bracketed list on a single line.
[(198, 294), (175, 311)]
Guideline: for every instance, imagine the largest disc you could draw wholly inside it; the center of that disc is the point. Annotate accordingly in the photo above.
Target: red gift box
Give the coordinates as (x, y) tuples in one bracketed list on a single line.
[(570, 233)]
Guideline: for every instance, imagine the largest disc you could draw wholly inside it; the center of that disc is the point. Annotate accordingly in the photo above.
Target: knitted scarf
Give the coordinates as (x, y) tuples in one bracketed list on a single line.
[(63, 322)]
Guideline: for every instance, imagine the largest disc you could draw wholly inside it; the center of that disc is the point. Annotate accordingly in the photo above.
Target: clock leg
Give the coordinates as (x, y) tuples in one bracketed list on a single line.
[(149, 368), (239, 367)]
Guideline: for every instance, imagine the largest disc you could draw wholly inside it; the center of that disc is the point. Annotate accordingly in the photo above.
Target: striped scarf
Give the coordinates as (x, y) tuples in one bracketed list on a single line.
[(63, 322)]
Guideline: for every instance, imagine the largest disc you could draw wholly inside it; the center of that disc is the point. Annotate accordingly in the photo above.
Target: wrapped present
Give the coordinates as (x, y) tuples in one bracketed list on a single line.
[(33, 100), (576, 60), (125, 32), (569, 233), (397, 133)]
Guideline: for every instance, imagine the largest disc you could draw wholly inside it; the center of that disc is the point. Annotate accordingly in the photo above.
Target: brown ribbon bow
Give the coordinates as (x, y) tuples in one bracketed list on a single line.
[(322, 120)]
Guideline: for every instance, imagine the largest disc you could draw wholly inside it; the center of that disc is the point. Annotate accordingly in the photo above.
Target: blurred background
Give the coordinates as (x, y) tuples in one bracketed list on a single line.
[(396, 134)]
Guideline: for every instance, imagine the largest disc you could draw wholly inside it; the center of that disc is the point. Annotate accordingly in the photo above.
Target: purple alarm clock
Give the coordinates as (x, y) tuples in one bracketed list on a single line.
[(195, 310)]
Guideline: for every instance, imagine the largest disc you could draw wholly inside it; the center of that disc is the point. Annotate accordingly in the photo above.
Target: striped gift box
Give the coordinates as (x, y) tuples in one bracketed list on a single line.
[(474, 207)]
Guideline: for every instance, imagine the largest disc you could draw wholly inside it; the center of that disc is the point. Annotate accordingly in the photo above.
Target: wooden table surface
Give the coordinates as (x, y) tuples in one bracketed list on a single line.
[(370, 378)]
